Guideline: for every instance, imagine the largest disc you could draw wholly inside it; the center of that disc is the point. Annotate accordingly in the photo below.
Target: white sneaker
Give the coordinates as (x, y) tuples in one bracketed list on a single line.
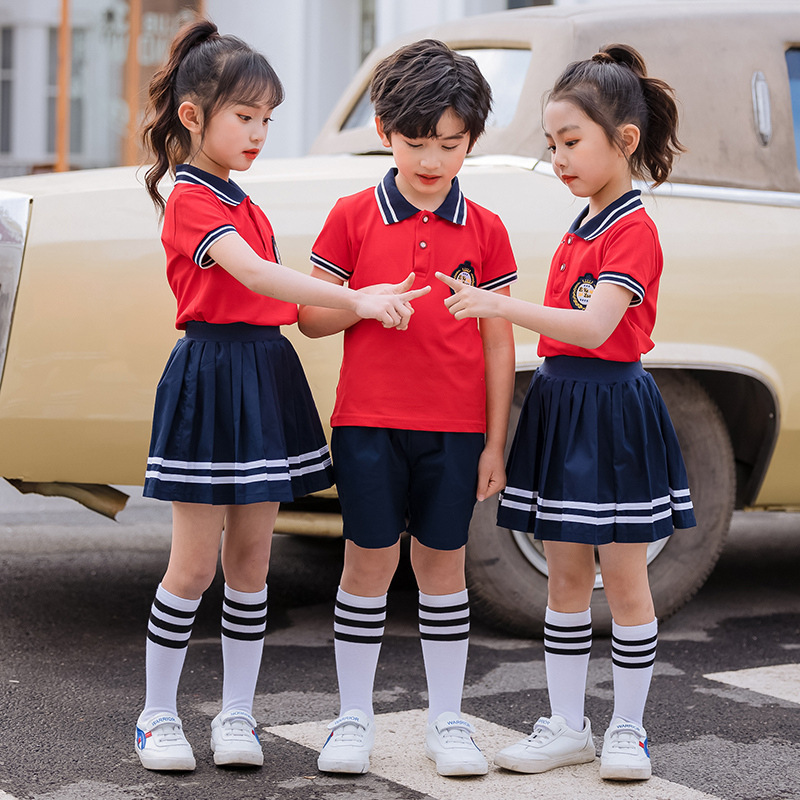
[(552, 744), (161, 745), (450, 744), (625, 755), (234, 741), (349, 744)]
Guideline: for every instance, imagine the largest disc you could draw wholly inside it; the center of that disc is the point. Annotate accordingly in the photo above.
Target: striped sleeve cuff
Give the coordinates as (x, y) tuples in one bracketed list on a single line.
[(499, 282), (201, 257), (329, 266), (626, 282)]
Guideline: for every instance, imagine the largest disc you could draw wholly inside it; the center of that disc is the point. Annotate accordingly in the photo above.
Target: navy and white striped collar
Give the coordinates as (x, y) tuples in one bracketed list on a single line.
[(395, 208), (600, 223), (227, 191)]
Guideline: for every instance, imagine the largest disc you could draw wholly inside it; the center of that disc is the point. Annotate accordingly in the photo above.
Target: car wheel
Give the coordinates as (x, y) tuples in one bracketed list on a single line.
[(507, 571)]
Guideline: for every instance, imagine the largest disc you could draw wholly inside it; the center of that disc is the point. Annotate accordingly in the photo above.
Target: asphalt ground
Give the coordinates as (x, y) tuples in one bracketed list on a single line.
[(75, 591)]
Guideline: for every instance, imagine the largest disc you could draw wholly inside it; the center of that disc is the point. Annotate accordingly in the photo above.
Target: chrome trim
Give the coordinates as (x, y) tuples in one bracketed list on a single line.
[(14, 221), (696, 191)]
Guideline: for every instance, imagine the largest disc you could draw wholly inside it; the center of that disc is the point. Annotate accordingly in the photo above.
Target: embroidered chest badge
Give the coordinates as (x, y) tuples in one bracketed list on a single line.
[(465, 273), (581, 291)]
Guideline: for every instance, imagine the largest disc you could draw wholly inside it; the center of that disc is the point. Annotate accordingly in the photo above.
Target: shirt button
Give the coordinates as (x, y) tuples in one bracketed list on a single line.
[(563, 267), (569, 240), (423, 245), (425, 219)]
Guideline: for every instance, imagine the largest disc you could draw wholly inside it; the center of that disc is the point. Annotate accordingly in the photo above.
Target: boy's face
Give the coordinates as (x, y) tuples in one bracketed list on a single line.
[(426, 167)]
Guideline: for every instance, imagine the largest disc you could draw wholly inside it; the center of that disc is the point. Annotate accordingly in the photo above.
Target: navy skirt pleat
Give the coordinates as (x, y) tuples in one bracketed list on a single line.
[(234, 421), (595, 458)]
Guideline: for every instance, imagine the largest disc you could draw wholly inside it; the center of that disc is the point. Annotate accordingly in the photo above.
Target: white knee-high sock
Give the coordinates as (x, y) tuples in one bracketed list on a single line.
[(633, 653), (244, 624), (358, 625), (168, 632), (444, 634), (567, 644)]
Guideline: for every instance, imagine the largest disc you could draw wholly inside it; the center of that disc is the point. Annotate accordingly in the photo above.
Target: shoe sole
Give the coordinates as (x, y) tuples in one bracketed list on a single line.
[(167, 764), (348, 767), (534, 767), (455, 770), (619, 773), (239, 759)]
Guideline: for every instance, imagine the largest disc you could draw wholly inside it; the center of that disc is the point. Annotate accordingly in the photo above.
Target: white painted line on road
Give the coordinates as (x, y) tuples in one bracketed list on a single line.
[(5, 796), (781, 681), (399, 757)]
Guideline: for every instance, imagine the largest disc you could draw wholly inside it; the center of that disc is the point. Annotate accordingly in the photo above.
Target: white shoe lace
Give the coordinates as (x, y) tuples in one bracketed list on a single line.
[(350, 733), (237, 728), (541, 735), (457, 736), (168, 733), (624, 740)]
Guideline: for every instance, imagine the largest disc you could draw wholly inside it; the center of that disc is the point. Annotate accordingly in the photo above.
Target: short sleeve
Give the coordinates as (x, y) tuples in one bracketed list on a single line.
[(499, 268), (331, 251), (200, 220), (630, 259)]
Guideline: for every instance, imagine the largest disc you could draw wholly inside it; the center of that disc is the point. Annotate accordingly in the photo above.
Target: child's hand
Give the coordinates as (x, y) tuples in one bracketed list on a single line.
[(394, 300), (468, 301), (491, 474)]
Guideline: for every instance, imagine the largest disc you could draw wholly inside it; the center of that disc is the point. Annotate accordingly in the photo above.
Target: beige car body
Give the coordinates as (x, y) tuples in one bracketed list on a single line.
[(88, 325)]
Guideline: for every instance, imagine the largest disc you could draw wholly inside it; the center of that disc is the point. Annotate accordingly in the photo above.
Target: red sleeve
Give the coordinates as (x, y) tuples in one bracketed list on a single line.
[(499, 267), (331, 251), (199, 219)]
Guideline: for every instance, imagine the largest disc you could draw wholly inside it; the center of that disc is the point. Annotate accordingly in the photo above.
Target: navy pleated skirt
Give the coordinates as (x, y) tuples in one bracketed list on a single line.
[(234, 421), (595, 458)]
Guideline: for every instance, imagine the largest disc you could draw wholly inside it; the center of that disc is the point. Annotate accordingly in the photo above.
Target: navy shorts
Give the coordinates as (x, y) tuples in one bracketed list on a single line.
[(390, 481)]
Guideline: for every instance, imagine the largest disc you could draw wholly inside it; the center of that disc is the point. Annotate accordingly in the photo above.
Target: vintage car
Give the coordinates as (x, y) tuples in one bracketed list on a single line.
[(86, 317)]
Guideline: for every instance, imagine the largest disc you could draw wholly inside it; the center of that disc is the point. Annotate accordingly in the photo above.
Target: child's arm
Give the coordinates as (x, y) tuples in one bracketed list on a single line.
[(235, 256), (588, 328), (498, 354), (315, 321)]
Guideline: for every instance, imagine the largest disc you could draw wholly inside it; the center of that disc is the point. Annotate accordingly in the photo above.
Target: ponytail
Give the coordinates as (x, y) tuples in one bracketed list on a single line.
[(613, 89), (211, 70)]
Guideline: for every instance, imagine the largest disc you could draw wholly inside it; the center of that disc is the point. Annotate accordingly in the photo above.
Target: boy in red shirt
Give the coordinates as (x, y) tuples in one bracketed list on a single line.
[(419, 425)]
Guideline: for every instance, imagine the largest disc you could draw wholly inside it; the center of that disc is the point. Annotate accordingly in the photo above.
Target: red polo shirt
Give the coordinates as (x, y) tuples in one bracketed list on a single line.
[(431, 376), (200, 210), (619, 245)]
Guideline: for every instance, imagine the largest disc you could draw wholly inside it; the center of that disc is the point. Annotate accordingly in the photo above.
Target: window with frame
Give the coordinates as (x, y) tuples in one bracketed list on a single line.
[(6, 86), (793, 65), (504, 68), (77, 91)]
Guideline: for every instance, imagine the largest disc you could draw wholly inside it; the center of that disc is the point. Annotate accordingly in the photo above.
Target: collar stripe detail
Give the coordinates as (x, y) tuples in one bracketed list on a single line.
[(629, 203), (201, 257), (626, 282), (395, 208), (227, 191), (499, 282), (329, 266)]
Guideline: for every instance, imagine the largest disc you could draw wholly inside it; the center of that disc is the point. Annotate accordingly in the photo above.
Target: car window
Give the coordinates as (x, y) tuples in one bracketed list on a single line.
[(793, 64), (503, 68)]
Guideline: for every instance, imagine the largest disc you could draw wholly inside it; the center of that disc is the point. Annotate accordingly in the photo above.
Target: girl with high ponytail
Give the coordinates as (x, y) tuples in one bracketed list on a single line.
[(595, 461), (235, 430)]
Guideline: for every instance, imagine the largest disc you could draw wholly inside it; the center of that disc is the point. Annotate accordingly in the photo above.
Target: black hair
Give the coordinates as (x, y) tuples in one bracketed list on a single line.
[(612, 88), (414, 86), (211, 70)]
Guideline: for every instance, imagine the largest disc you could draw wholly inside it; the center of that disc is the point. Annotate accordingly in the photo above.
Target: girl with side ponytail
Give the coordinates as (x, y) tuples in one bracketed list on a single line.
[(595, 461), (235, 430)]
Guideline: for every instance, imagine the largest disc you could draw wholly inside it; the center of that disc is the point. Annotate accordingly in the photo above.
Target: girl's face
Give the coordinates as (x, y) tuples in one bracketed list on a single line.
[(231, 140), (583, 157)]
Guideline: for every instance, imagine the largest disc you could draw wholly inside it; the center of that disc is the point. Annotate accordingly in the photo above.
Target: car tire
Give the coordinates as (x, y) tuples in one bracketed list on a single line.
[(506, 570)]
